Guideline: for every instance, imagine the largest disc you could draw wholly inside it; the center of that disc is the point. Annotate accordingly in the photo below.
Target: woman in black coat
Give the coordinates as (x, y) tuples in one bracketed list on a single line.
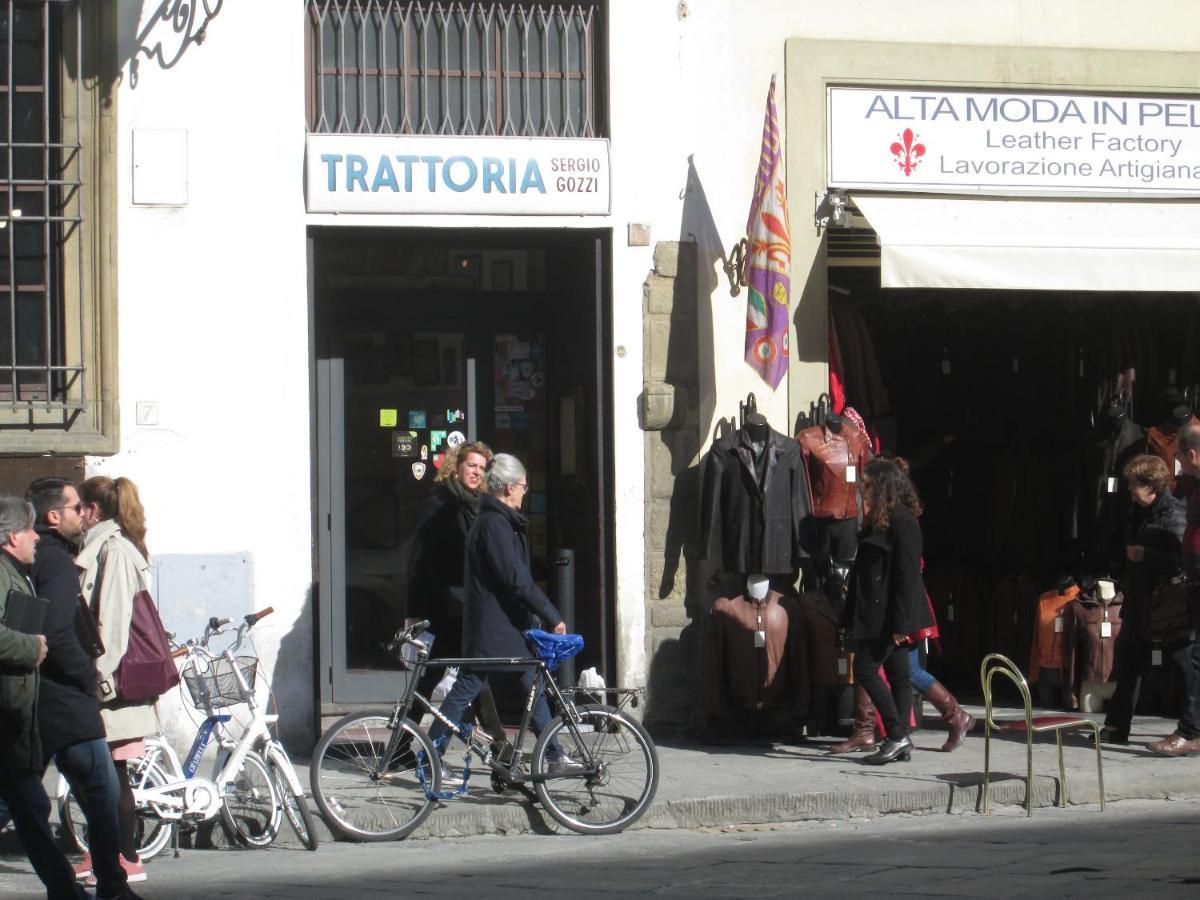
[(886, 601), (1153, 552), (502, 599), (436, 590)]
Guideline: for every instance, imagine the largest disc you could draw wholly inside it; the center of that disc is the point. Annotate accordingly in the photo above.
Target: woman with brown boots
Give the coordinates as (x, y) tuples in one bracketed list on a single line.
[(897, 491)]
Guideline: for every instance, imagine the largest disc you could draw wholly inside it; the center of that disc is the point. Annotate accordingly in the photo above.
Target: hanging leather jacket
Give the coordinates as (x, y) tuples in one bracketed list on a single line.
[(828, 456), (739, 674), (753, 504)]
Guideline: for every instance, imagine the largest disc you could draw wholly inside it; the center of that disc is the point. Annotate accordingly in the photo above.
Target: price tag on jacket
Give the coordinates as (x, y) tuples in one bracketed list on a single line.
[(851, 474), (1106, 629), (760, 639), (1110, 485), (843, 666), (1058, 624), (1178, 468), (945, 367), (950, 613), (1156, 657)]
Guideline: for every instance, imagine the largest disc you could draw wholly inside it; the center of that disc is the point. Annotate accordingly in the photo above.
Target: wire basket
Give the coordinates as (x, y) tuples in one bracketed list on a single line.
[(218, 686)]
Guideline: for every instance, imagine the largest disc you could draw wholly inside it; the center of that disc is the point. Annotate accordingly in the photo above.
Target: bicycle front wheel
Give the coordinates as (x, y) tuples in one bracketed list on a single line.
[(295, 805), (251, 812), (619, 777), (370, 781), (152, 834)]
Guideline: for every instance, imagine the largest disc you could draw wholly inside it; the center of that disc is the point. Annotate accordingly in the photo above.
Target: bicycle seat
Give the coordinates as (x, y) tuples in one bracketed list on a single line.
[(553, 648)]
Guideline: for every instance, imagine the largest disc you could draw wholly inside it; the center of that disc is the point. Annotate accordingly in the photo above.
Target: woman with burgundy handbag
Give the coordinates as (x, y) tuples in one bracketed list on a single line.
[(113, 568)]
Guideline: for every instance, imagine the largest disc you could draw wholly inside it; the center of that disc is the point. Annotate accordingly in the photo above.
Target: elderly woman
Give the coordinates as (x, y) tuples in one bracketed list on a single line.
[(1153, 551), (502, 598), (887, 603)]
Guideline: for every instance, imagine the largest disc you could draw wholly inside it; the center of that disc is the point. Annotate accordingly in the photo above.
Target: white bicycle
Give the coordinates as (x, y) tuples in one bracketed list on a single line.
[(254, 780)]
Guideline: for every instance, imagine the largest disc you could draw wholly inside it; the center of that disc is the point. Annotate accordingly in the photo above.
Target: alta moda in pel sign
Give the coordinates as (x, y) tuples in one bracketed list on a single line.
[(913, 139)]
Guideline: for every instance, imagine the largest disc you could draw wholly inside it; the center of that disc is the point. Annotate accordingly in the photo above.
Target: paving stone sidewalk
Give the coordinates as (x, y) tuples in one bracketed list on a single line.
[(727, 785)]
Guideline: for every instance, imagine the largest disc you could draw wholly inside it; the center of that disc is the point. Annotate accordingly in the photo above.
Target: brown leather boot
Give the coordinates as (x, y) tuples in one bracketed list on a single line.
[(863, 736), (958, 720)]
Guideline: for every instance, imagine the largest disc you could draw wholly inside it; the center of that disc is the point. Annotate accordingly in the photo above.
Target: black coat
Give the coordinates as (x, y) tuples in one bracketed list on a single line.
[(502, 597), (754, 508), (1159, 529), (439, 555), (887, 594), (68, 704)]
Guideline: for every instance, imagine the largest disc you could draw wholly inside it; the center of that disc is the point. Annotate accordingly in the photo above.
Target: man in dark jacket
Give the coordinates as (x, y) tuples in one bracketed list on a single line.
[(502, 598), (20, 744), (68, 708)]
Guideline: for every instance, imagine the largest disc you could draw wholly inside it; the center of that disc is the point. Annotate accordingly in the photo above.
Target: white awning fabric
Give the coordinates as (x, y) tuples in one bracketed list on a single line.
[(1062, 245)]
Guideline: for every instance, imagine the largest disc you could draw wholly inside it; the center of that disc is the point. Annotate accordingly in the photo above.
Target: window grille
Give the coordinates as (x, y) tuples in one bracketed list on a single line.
[(41, 206), (508, 69)]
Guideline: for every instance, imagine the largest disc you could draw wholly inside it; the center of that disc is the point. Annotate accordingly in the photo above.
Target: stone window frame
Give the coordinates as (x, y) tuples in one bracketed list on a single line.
[(87, 422)]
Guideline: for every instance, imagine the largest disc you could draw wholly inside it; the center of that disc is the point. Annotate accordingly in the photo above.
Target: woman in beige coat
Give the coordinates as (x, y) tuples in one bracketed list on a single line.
[(113, 568)]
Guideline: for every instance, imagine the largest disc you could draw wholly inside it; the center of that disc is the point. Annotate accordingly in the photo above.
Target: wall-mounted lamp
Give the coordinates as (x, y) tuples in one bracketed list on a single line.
[(831, 211)]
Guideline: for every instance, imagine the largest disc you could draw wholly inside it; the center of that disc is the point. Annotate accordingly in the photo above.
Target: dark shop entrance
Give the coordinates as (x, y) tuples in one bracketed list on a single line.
[(1016, 411), (425, 338)]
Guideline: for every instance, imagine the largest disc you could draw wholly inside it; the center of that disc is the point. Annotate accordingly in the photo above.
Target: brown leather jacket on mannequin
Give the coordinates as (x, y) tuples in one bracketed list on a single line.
[(1050, 631), (1088, 648), (827, 456), (740, 675)]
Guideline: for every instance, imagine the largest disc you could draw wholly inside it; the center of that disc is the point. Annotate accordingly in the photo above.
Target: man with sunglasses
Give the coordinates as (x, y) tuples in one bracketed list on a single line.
[(68, 709)]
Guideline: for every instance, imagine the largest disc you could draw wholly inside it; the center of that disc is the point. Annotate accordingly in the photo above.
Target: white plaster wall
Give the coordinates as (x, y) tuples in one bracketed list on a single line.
[(213, 317), (213, 321)]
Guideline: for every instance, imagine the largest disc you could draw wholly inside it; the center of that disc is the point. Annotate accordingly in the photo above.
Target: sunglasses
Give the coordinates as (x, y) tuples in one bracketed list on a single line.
[(78, 507)]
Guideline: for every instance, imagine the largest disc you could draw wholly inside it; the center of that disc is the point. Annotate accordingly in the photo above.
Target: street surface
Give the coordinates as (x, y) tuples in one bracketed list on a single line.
[(1137, 849)]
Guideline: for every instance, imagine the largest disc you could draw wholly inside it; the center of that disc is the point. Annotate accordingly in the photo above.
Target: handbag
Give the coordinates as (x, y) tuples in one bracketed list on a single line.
[(147, 670), (1167, 616)]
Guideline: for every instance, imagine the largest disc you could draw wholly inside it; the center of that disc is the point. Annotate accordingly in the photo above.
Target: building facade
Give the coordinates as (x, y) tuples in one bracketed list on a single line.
[(288, 249)]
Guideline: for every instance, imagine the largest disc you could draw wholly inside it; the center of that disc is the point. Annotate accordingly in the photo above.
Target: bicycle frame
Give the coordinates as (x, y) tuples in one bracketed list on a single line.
[(542, 680)]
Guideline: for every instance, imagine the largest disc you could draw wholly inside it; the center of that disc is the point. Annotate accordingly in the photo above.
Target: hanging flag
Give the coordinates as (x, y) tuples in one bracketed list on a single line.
[(768, 259)]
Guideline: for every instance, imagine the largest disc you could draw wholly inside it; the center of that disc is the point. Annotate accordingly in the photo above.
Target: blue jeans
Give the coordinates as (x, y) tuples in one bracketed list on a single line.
[(88, 768), (467, 687), (29, 807), (920, 679)]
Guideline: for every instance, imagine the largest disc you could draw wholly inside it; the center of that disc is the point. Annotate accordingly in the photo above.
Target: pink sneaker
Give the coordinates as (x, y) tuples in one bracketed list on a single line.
[(83, 870), (134, 872)]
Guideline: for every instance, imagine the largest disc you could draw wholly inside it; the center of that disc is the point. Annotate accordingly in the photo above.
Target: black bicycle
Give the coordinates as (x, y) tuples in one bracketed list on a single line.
[(376, 776)]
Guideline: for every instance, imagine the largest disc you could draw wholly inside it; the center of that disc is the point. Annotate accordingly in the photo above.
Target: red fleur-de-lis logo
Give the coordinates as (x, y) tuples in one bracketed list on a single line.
[(908, 155)]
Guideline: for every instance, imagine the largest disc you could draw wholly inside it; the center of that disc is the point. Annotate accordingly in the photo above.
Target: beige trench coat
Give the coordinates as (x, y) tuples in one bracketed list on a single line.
[(111, 572)]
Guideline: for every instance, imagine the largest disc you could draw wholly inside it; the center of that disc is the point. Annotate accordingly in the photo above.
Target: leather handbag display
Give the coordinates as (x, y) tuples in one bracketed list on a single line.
[(1166, 618)]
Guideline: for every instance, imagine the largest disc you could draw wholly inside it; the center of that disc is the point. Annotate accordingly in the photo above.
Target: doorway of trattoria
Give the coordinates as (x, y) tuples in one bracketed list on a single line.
[(426, 338)]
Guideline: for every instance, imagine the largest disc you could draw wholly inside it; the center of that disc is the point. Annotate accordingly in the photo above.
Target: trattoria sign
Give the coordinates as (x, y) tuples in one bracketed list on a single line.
[(915, 139), (368, 173)]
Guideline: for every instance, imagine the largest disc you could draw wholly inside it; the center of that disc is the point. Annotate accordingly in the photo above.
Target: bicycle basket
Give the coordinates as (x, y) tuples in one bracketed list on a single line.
[(219, 682)]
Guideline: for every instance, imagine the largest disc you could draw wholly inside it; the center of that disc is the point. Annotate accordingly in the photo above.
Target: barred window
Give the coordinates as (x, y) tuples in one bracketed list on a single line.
[(519, 69), (51, 319)]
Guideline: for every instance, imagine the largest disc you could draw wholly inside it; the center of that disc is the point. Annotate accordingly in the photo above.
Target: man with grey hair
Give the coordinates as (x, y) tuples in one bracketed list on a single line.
[(21, 762), (502, 598), (1185, 740)]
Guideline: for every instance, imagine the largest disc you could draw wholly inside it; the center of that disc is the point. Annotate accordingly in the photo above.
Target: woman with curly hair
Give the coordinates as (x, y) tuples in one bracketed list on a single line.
[(886, 602)]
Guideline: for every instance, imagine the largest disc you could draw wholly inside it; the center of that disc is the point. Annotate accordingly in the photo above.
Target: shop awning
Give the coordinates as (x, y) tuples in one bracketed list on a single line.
[(1064, 245)]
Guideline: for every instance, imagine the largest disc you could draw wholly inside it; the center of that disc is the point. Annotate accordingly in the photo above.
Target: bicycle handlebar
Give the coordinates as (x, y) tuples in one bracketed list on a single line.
[(407, 636)]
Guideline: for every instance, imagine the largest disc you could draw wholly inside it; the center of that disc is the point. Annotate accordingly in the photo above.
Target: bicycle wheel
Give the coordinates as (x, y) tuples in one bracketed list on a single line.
[(295, 805), (153, 833), (364, 796), (624, 777), (250, 812)]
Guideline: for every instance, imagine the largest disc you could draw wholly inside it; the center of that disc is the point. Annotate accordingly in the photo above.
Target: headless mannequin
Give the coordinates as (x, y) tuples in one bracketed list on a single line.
[(757, 430), (834, 456), (1105, 625)]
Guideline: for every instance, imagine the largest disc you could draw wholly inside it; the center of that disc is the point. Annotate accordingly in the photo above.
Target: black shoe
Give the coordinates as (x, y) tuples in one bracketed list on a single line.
[(891, 750), (1110, 734)]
